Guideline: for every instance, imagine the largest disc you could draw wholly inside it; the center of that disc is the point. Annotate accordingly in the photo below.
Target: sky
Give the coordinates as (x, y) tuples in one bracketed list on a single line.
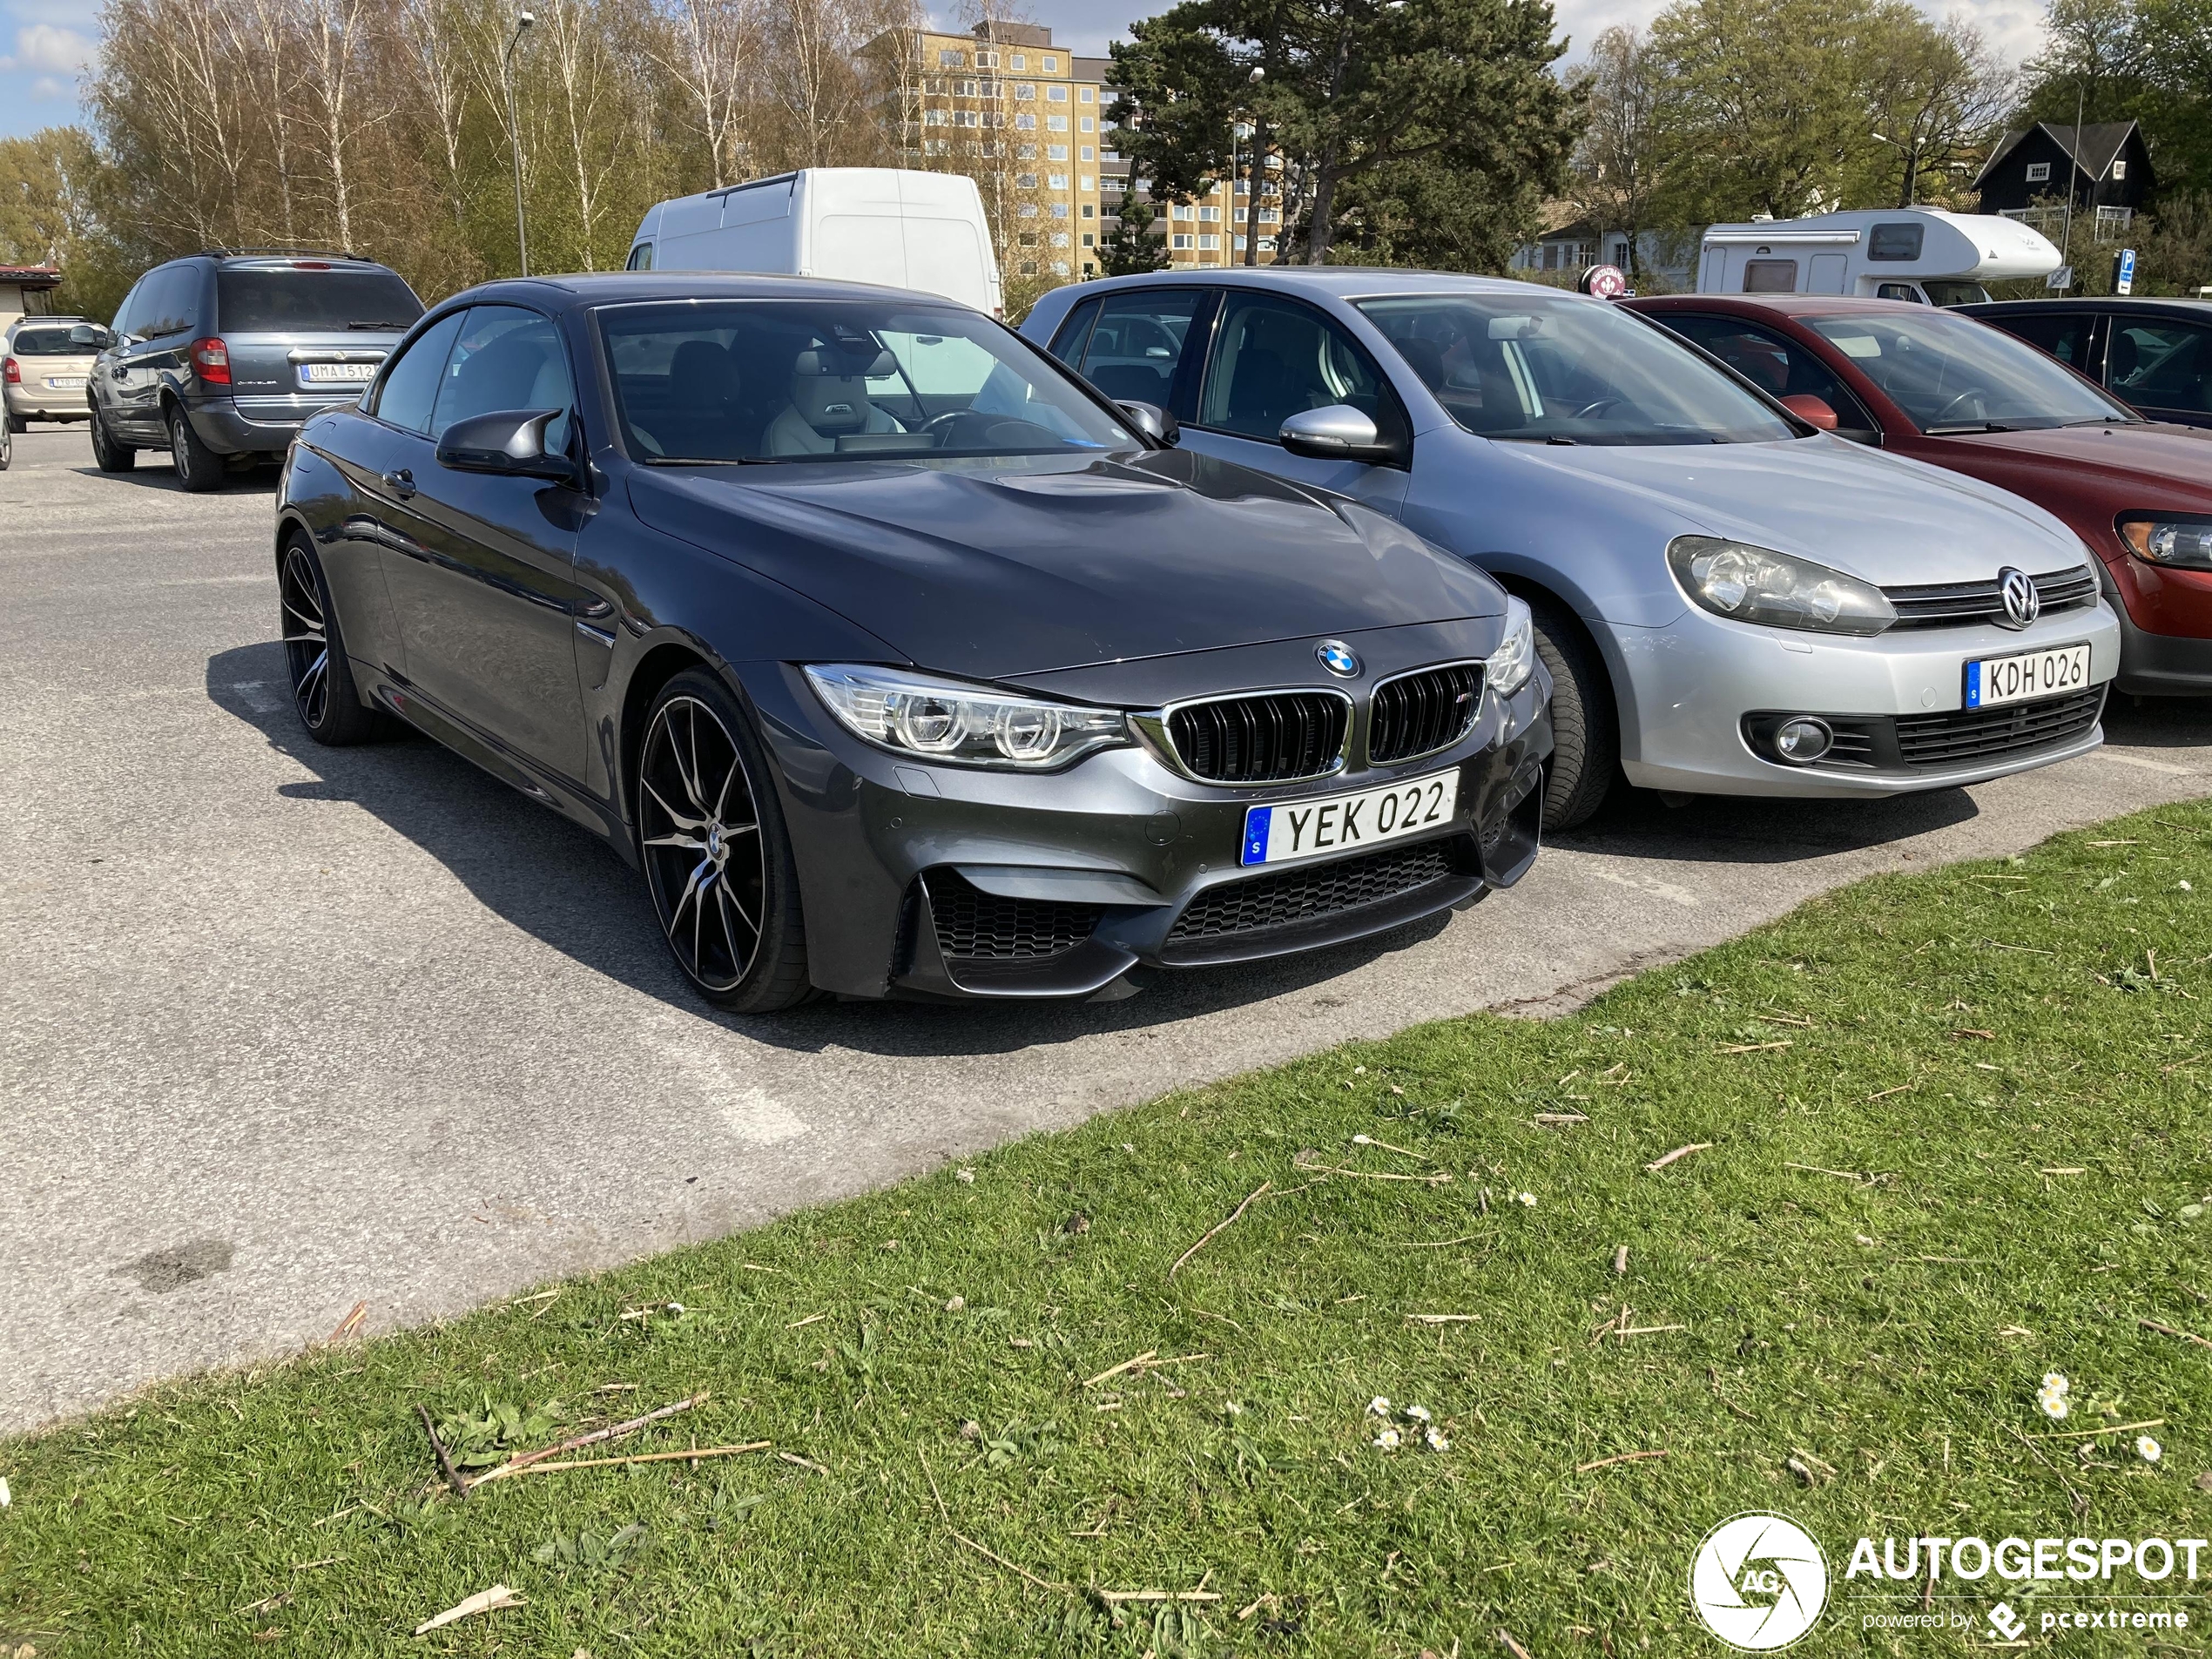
[(45, 43)]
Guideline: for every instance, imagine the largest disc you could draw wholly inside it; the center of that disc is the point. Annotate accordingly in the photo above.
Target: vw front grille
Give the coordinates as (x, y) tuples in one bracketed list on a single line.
[(1959, 604)]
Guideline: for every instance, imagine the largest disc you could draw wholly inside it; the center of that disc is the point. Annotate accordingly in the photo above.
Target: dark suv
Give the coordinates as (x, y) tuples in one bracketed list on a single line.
[(220, 358)]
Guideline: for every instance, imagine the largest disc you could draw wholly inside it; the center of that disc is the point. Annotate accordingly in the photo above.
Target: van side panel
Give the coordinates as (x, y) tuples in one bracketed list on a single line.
[(1828, 274), (947, 256), (862, 247)]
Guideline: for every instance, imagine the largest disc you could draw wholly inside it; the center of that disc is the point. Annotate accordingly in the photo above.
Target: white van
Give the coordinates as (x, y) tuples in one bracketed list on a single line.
[(906, 230), (1920, 255)]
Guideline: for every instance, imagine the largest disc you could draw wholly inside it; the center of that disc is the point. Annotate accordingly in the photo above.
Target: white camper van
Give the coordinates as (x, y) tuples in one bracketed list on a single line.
[(1920, 255), (906, 230)]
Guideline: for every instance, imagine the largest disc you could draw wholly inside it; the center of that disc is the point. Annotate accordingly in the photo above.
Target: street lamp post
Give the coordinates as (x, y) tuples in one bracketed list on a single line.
[(523, 19)]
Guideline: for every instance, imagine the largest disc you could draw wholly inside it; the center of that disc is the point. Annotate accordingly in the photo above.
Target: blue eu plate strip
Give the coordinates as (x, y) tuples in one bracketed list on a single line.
[(1256, 822), (1973, 685)]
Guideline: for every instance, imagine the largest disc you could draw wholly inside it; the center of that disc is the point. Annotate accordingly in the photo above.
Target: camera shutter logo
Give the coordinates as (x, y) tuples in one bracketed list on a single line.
[(1759, 1582), (2022, 602)]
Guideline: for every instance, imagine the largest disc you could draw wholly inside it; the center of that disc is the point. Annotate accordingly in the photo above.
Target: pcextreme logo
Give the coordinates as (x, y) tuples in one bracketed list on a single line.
[(1759, 1582)]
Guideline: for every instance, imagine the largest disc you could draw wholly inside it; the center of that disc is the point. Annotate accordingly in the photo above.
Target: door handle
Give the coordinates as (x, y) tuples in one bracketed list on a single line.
[(400, 482)]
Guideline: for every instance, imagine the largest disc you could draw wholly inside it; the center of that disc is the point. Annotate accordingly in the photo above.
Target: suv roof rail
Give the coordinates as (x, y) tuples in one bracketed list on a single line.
[(281, 251)]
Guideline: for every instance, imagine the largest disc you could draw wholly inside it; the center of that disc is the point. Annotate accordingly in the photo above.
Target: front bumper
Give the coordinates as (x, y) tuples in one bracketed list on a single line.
[(938, 881), (2167, 663), (1699, 688)]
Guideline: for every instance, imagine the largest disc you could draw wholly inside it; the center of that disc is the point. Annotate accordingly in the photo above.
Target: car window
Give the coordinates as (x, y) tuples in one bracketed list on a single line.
[(1770, 276), (641, 257), (45, 343), (2064, 334), (1274, 358), (1538, 366), (1137, 341), (300, 298), (1074, 333), (410, 384), (505, 357), (171, 304), (1952, 374), (782, 380), (2161, 365), (1774, 363), (126, 314)]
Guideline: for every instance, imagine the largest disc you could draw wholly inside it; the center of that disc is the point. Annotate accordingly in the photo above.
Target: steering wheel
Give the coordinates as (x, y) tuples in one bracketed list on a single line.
[(971, 429), (1590, 411), (1943, 414)]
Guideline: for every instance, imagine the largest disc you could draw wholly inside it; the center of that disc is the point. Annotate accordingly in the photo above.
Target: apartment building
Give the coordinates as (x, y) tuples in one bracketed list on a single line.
[(1003, 102), (1209, 231)]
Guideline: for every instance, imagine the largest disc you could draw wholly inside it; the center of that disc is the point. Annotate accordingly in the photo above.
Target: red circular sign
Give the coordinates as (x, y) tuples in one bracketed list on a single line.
[(1605, 282)]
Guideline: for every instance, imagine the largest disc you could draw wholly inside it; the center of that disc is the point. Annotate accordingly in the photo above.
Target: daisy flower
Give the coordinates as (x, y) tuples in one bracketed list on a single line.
[(2054, 1382), (2054, 1405), (1388, 1440), (1436, 1440), (2148, 1449), (1529, 1199), (1379, 1406), (1417, 1413)]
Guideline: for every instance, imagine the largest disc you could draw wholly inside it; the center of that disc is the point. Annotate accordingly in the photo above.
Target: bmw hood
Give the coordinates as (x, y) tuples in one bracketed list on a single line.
[(1881, 517), (1001, 569)]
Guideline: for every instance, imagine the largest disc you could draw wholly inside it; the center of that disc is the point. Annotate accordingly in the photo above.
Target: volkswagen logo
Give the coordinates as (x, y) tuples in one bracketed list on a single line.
[(2022, 603), (1339, 658)]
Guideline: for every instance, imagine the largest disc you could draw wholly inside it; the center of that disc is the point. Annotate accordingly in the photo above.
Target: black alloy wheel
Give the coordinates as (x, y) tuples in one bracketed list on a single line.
[(717, 857), (314, 655), (107, 454)]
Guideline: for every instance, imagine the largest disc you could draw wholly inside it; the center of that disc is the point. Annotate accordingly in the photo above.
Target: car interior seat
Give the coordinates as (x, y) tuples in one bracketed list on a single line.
[(702, 415), (827, 402)]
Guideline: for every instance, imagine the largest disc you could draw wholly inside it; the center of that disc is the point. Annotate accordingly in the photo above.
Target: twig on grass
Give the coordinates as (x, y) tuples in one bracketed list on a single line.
[(2169, 1330), (445, 1464), (1148, 1360), (350, 1324), (1886, 1093), (2092, 1433), (1861, 1176), (1620, 1261), (1159, 1595), (1513, 1647), (1369, 1140), (1785, 1018), (946, 1515), (803, 1462), (1755, 1048), (694, 1453), (1657, 1165), (1259, 1191), (1445, 1319), (1624, 1457), (483, 1602), (613, 1431)]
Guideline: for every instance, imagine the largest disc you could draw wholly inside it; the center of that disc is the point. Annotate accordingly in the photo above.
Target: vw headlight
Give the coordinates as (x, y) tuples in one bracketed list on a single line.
[(952, 720), (2177, 542), (1757, 584), (1506, 669)]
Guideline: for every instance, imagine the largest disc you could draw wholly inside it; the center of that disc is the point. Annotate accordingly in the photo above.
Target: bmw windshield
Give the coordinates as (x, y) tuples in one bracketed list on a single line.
[(802, 381), (1541, 367), (1953, 374)]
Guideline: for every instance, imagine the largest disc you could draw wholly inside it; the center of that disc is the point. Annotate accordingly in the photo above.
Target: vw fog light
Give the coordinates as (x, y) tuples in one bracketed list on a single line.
[(1803, 740)]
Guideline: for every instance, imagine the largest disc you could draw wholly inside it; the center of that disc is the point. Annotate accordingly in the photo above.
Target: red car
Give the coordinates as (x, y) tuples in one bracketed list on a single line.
[(1955, 392)]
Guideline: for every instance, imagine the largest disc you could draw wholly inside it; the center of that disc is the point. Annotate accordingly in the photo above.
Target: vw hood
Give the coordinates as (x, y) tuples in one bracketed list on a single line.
[(1001, 569), (1881, 517)]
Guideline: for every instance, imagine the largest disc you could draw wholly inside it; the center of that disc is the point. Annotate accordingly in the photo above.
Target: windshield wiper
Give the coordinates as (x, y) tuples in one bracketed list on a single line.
[(2108, 419), (1968, 426), (383, 327)]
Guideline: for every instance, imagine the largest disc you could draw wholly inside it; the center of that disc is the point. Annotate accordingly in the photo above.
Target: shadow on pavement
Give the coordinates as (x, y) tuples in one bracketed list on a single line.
[(155, 472), (560, 884), (2159, 722), (1734, 829)]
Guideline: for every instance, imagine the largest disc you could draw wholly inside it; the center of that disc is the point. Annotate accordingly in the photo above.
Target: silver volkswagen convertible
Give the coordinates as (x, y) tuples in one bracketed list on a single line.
[(1731, 599)]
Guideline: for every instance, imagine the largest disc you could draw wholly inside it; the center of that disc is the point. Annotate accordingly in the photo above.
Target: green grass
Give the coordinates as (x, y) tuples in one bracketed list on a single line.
[(1889, 1333)]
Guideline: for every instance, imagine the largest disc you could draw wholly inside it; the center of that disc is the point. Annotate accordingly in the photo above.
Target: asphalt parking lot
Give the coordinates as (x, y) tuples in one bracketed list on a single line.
[(287, 1029)]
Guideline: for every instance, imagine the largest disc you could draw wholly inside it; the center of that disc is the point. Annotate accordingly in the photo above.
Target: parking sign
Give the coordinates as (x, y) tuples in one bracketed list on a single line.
[(2125, 282)]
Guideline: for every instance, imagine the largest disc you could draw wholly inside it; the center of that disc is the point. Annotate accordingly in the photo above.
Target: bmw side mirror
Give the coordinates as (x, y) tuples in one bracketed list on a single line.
[(508, 441), (1337, 433), (90, 334), (1153, 422)]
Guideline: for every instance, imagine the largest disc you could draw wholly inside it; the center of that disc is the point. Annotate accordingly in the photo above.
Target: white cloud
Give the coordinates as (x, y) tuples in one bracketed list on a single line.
[(46, 90), (2013, 28), (52, 48)]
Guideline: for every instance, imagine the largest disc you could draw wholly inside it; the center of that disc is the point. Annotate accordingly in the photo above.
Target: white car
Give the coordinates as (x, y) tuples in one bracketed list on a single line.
[(1730, 600), (45, 363)]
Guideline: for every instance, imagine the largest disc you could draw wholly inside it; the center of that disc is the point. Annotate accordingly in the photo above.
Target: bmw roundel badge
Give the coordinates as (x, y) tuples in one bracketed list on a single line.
[(1338, 657)]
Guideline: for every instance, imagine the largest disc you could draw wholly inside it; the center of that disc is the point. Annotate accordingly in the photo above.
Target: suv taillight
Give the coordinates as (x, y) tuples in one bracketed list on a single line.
[(12, 372), (210, 360)]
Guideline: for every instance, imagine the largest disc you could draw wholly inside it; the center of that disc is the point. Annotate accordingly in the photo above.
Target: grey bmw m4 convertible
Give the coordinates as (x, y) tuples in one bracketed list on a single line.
[(901, 661)]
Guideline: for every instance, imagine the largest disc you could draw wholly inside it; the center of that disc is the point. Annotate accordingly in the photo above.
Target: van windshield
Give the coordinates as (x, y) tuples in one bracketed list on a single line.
[(1548, 368), (789, 380), (1951, 374)]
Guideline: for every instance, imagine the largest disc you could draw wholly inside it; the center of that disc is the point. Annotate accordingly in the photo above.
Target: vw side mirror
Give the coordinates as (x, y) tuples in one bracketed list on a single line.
[(90, 333), (1337, 433), (1813, 411), (1153, 422), (508, 441)]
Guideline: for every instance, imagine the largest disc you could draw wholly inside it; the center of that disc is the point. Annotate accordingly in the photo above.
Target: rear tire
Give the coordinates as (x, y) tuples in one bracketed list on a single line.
[(107, 454), (17, 424), (1586, 728), (716, 852), (323, 692), (199, 468)]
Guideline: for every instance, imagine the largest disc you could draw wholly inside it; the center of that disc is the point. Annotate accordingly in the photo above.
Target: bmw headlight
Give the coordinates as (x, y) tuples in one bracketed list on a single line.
[(1506, 669), (1756, 584), (2173, 541), (952, 720)]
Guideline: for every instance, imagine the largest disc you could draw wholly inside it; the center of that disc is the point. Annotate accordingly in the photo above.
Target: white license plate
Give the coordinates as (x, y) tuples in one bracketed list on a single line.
[(1995, 680), (337, 373), (1306, 829), (65, 382)]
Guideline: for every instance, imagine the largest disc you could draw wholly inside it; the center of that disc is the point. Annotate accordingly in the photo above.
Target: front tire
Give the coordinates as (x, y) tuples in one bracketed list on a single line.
[(323, 693), (1586, 726), (717, 856), (16, 422), (199, 468), (107, 454)]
